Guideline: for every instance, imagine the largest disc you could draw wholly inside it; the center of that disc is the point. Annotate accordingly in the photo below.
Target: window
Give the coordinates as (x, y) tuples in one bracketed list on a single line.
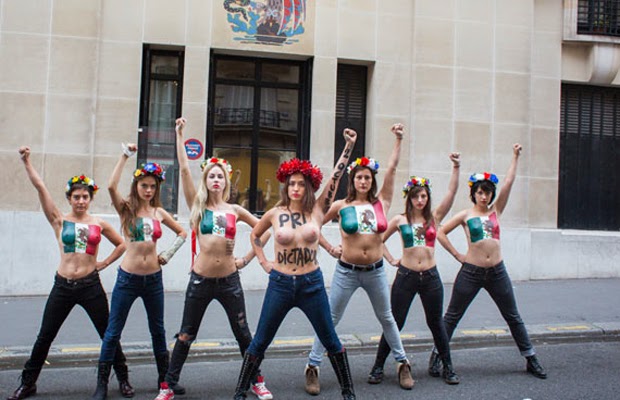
[(589, 158), (350, 113), (598, 17), (259, 116), (160, 106)]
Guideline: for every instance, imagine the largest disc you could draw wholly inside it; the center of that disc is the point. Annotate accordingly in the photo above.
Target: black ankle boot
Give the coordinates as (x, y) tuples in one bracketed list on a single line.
[(376, 375), (249, 369), (340, 363), (163, 361), (28, 386), (449, 376), (103, 375), (434, 366), (534, 367), (122, 375)]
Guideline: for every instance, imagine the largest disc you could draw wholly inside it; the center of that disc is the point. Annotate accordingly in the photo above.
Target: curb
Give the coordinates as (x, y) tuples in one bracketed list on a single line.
[(416, 341)]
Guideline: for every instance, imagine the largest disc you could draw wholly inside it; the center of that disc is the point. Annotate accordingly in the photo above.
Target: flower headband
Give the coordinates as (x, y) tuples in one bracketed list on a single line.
[(83, 180), (305, 167), (485, 176), (220, 161), (416, 181), (364, 162), (151, 169)]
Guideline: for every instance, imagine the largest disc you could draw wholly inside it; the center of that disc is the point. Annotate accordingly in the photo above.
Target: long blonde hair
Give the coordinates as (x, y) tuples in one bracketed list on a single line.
[(200, 201)]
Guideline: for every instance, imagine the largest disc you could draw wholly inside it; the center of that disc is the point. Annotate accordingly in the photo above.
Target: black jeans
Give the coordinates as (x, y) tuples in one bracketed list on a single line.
[(200, 292), (66, 293), (496, 282), (406, 285)]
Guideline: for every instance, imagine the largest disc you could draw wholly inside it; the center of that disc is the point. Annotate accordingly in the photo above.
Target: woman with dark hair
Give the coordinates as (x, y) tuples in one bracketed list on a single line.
[(77, 278), (295, 279), (140, 275), (417, 268), (362, 223), (215, 273), (483, 265)]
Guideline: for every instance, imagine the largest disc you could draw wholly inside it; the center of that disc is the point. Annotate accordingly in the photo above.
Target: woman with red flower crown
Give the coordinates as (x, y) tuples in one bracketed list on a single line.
[(77, 282), (140, 275), (215, 273), (295, 279), (360, 257), (482, 265)]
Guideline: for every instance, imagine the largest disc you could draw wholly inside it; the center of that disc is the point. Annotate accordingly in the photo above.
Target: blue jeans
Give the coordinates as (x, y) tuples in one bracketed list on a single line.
[(496, 281), (374, 282), (406, 285), (306, 292), (127, 289)]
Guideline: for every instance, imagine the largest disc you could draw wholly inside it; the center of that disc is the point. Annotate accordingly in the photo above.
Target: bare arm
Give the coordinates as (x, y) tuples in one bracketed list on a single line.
[(502, 197), (52, 213), (448, 200), (247, 217), (257, 244), (332, 212), (442, 235), (329, 191), (189, 190), (334, 251), (117, 199), (392, 227), (387, 189), (116, 240)]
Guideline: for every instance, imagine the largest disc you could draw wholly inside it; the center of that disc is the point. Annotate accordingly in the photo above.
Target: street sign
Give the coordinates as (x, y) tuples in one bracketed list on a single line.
[(193, 148)]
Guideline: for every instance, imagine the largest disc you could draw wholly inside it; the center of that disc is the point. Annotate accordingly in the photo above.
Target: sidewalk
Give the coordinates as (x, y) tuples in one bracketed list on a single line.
[(554, 311)]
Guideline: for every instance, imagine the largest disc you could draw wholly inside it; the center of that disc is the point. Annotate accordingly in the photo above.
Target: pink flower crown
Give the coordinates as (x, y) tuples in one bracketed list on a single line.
[(220, 161), (83, 180), (416, 181), (153, 169), (485, 176), (305, 167), (364, 162)]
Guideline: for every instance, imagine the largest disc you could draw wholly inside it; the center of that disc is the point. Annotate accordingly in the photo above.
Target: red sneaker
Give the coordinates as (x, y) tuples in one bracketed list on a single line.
[(260, 390), (165, 393)]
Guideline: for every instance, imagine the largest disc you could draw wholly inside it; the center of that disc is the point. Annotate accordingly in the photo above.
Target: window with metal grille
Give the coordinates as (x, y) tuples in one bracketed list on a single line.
[(258, 116), (351, 93), (598, 17), (589, 158), (160, 105)]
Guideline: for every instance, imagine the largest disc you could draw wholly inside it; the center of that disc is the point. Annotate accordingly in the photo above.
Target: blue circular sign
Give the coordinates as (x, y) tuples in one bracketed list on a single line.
[(193, 148)]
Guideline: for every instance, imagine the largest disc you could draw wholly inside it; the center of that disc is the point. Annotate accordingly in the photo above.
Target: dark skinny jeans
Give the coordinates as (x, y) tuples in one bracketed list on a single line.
[(496, 282), (406, 285), (200, 292)]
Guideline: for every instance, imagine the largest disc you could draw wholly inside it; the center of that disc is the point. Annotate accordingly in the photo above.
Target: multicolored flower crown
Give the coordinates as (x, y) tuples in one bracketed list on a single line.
[(485, 176), (364, 162), (220, 161), (416, 181), (151, 169), (83, 180), (305, 167)]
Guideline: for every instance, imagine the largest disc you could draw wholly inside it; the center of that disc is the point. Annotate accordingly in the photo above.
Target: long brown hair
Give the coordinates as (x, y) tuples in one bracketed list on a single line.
[(307, 201), (427, 212), (372, 193), (132, 203)]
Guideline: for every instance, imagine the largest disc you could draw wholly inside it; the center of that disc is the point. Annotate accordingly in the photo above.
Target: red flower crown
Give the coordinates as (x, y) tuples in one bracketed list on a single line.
[(305, 167)]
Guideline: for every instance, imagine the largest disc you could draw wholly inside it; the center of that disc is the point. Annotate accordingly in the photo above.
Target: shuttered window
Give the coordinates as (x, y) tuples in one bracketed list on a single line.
[(351, 93), (589, 189)]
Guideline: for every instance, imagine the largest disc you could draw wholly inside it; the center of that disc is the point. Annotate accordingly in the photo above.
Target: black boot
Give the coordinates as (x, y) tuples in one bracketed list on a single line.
[(340, 363), (163, 361), (434, 366), (376, 374), (122, 375), (449, 376), (249, 369), (103, 375), (28, 386), (534, 367)]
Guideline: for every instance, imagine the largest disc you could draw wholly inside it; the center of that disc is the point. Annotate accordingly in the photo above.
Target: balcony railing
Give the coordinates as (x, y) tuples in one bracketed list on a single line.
[(598, 17)]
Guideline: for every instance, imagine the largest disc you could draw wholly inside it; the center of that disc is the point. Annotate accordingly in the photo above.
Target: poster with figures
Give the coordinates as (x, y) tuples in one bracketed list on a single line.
[(272, 25)]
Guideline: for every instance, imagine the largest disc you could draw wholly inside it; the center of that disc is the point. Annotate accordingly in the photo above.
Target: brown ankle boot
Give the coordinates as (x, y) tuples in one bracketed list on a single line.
[(405, 380), (313, 385)]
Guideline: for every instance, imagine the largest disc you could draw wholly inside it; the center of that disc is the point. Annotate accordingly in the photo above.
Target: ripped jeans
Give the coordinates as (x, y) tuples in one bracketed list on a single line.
[(200, 292)]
